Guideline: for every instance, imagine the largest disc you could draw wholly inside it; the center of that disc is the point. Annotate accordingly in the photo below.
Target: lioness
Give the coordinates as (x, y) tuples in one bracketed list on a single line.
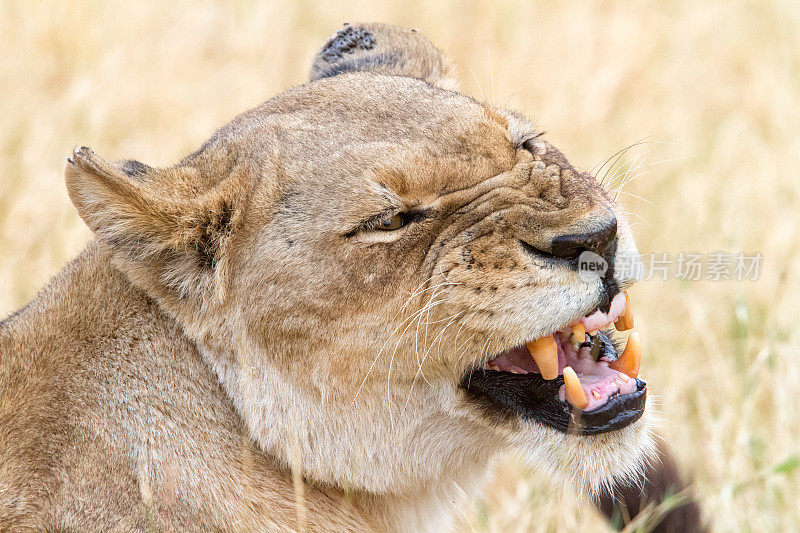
[(331, 316)]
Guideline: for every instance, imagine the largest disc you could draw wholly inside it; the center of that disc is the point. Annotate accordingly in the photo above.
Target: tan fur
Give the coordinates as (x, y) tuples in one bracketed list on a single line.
[(232, 352)]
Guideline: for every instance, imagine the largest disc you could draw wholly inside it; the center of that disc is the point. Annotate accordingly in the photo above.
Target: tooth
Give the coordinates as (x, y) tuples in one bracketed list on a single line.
[(579, 332), (631, 358), (574, 390), (545, 353), (625, 320), (596, 395)]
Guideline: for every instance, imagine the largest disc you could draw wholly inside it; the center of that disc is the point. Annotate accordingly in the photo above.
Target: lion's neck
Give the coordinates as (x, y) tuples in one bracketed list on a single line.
[(446, 480)]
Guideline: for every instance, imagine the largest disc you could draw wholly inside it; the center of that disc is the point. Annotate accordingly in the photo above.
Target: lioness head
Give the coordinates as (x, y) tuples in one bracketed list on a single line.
[(363, 260)]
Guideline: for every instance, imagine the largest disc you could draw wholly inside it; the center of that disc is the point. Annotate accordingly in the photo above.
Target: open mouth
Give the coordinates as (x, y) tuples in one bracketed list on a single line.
[(573, 380)]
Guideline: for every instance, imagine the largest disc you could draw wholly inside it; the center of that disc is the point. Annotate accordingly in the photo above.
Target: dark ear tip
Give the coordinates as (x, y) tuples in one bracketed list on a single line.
[(81, 152), (84, 159), (80, 156)]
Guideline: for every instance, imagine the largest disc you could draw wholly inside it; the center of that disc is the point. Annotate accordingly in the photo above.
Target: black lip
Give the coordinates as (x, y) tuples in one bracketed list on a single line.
[(529, 396)]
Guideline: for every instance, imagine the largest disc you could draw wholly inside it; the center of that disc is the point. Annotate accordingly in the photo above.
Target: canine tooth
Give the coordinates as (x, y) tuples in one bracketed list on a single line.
[(625, 320), (574, 390), (579, 332), (617, 306), (545, 353), (631, 358)]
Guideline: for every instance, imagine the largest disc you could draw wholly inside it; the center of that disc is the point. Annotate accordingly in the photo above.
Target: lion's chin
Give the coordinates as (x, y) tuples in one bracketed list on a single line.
[(587, 463)]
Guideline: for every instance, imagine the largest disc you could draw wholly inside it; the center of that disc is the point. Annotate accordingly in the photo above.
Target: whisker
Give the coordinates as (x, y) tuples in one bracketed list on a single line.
[(420, 292), (463, 323), (388, 340), (631, 169), (491, 72), (616, 156), (624, 168), (426, 309), (394, 352), (424, 357), (640, 217), (483, 97), (637, 197)]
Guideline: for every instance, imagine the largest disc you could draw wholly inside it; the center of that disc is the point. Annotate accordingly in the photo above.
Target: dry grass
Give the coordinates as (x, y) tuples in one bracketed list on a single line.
[(718, 80)]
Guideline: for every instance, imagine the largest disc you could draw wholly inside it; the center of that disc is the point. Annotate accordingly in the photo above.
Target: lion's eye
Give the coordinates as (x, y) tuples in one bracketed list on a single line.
[(392, 223)]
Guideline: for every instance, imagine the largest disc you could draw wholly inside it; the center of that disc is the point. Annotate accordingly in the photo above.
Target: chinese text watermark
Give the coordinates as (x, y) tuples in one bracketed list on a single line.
[(687, 266)]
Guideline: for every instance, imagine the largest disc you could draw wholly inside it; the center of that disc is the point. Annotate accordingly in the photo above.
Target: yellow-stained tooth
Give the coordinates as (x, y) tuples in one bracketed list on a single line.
[(579, 331), (545, 353), (625, 320), (574, 390), (631, 358)]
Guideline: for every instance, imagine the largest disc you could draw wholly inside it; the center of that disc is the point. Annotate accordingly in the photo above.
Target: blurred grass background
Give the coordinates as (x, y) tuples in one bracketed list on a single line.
[(712, 86)]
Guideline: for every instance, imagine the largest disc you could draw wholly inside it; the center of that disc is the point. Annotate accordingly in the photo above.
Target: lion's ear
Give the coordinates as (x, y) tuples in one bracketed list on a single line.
[(173, 241), (384, 49)]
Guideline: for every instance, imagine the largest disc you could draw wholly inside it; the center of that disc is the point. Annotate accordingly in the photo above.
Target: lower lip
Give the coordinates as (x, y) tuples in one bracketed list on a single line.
[(616, 413)]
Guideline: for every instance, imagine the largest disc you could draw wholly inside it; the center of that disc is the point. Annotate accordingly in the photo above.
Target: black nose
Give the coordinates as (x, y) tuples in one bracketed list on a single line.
[(598, 237)]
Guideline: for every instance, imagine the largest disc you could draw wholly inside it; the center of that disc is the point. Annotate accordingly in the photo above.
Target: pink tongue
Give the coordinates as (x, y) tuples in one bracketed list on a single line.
[(598, 380)]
